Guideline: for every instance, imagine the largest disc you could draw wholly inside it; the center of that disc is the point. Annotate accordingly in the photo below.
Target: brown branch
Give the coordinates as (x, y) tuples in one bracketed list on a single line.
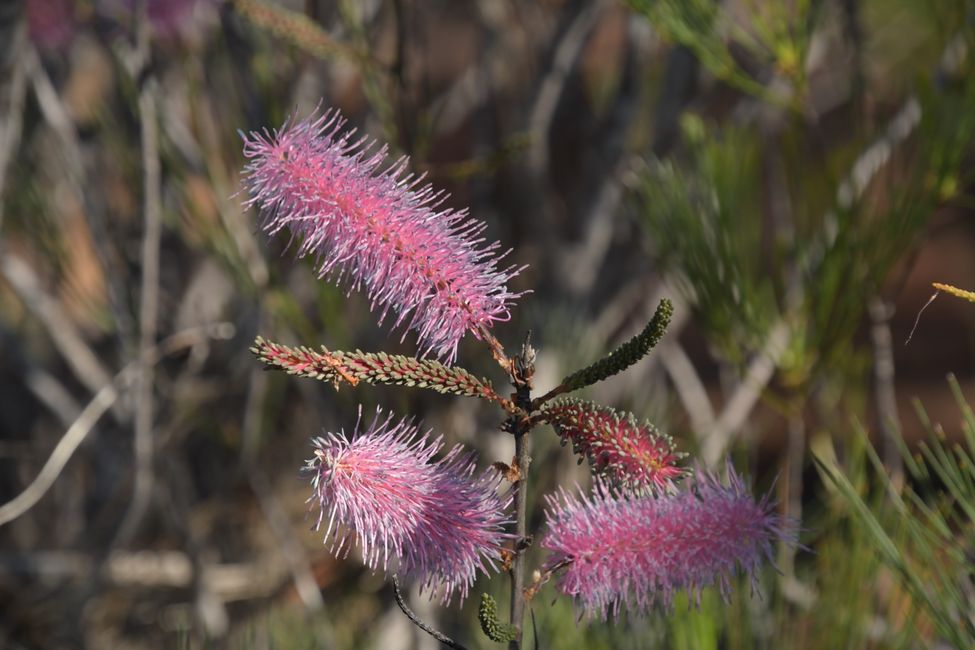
[(450, 643), (149, 299), (67, 339), (13, 117), (497, 350), (884, 386), (524, 367)]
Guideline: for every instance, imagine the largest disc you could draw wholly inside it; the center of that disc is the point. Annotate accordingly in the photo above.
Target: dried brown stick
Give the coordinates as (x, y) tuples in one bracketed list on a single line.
[(149, 298), (746, 395), (442, 638), (884, 386), (65, 336), (274, 514), (13, 117), (523, 371), (90, 415)]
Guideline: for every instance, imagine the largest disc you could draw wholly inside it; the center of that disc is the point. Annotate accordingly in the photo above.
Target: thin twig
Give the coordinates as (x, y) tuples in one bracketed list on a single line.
[(65, 336), (47, 388), (420, 624), (13, 118), (155, 569), (277, 519), (553, 84), (175, 492), (884, 390), (65, 448), (522, 454), (743, 400), (288, 545), (102, 401), (149, 300), (77, 177), (497, 350), (689, 387)]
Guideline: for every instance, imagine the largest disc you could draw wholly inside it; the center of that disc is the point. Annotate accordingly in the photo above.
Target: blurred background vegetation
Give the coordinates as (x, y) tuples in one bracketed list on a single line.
[(793, 174)]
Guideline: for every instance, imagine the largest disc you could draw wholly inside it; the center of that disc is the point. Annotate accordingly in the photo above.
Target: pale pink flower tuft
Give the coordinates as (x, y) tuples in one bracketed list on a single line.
[(433, 521), (629, 454), (630, 554), (382, 228)]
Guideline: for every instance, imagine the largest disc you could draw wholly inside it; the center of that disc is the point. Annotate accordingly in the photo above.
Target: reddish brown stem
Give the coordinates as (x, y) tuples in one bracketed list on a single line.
[(497, 350), (555, 392)]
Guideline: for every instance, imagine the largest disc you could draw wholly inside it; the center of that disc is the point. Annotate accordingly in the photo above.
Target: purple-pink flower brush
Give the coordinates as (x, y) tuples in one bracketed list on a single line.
[(633, 553), (432, 520), (382, 228)]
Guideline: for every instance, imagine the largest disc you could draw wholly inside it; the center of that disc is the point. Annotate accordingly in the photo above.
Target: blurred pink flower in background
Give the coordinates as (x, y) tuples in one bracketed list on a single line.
[(51, 23), (433, 521), (379, 227), (629, 554)]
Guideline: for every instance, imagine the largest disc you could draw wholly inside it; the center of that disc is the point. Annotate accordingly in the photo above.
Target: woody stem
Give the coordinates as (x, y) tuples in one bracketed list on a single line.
[(522, 370)]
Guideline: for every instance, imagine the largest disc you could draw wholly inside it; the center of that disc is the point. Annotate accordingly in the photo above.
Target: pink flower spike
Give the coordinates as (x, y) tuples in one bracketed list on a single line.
[(633, 553), (382, 228), (430, 520), (631, 455)]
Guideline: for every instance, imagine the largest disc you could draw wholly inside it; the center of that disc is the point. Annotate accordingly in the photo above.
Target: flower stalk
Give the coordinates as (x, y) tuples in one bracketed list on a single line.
[(523, 372)]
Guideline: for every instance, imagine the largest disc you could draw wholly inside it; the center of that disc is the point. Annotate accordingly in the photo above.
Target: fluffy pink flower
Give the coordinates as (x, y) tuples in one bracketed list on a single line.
[(382, 228), (632, 455), (433, 521), (633, 553)]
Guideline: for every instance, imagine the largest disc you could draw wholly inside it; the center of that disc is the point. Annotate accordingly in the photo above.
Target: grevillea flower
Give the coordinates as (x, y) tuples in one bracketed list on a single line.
[(629, 454), (433, 521), (382, 228), (633, 553)]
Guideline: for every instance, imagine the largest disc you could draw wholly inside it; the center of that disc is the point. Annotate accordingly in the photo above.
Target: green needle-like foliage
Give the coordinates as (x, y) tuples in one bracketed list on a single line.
[(494, 629), (625, 355), (926, 541), (779, 38)]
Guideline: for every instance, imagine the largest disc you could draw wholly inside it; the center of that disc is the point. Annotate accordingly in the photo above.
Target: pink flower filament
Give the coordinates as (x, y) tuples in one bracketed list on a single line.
[(381, 228), (434, 520), (630, 554)]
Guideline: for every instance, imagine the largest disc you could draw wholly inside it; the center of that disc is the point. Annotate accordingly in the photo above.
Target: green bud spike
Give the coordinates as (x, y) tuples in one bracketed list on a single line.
[(487, 614), (625, 355)]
